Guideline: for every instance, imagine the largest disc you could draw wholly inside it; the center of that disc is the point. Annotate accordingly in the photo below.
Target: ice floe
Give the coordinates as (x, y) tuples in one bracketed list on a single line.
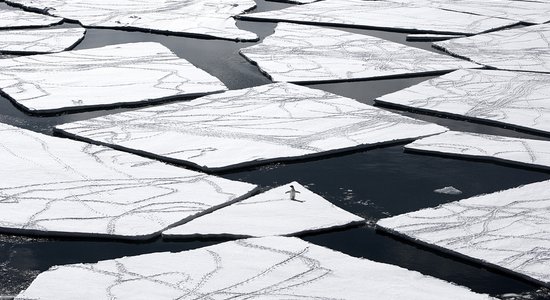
[(55, 186), (525, 152), (274, 122), (521, 49), (22, 19), (383, 14), (213, 18), (260, 268), (40, 40), (510, 98), (431, 37), (509, 230), (270, 213), (524, 11), (304, 53), (106, 76), (448, 190)]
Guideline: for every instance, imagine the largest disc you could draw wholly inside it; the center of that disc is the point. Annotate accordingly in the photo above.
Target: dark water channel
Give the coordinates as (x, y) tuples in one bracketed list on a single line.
[(373, 184)]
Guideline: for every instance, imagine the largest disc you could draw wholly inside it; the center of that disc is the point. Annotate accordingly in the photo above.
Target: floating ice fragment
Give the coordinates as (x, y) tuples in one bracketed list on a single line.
[(274, 122), (21, 19), (519, 99), (448, 190), (524, 152), (270, 213), (432, 37), (383, 14), (54, 186), (303, 53), (106, 76), (509, 230), (260, 268), (521, 49), (40, 40), (203, 18)]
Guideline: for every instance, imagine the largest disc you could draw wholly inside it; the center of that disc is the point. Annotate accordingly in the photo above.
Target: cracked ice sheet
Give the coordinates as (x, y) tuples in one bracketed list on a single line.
[(523, 11), (382, 14), (509, 229), (40, 40), (54, 186), (270, 213), (521, 49), (525, 152), (273, 122), (303, 53), (209, 18), (21, 19), (510, 98), (106, 76), (259, 268)]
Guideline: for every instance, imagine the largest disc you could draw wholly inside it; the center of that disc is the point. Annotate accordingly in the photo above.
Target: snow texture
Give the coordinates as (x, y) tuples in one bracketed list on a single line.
[(303, 53), (509, 230), (519, 99), (21, 19), (382, 14), (270, 213), (40, 40), (521, 49), (523, 11), (203, 18), (274, 122), (525, 152), (448, 190), (53, 186), (259, 268), (431, 37), (106, 76)]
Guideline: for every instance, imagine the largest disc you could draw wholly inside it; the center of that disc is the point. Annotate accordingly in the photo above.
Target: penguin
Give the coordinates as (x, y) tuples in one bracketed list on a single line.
[(292, 193)]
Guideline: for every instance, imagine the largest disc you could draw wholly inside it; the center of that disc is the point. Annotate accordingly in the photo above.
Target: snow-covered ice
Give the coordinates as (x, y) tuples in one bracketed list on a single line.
[(525, 152), (509, 98), (274, 122), (22, 19), (382, 14), (211, 18), (106, 76), (55, 186), (259, 268), (522, 49), (525, 11), (509, 230), (269, 213), (40, 40), (304, 53)]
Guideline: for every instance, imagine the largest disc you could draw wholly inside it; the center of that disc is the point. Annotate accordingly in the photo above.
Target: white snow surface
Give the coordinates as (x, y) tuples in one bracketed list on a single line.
[(213, 18), (20, 19), (525, 11), (510, 98), (383, 14), (508, 229), (269, 213), (55, 186), (106, 76), (525, 152), (259, 268), (522, 49), (304, 53), (40, 40), (273, 122)]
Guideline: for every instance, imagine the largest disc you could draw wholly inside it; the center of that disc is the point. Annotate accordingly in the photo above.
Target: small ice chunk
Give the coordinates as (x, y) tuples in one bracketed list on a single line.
[(259, 268), (274, 212), (448, 190)]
